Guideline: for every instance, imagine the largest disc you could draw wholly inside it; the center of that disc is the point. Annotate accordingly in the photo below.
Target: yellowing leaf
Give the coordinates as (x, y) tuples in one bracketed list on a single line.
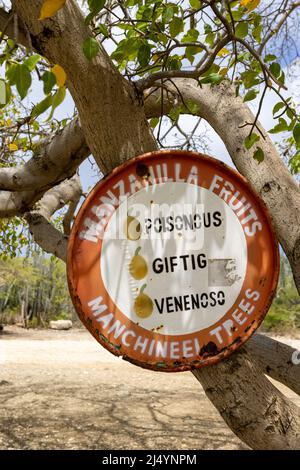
[(50, 7), (223, 71), (60, 75), (250, 4), (13, 147), (223, 52)]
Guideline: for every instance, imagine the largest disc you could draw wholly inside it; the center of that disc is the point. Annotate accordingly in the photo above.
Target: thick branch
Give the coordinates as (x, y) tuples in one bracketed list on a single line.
[(14, 203), (275, 359), (49, 238), (232, 120), (69, 215), (39, 220), (59, 196), (56, 159), (252, 407)]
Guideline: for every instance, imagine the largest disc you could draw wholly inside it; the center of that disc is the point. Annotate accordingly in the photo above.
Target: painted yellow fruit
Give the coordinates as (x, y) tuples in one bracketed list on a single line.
[(132, 228), (143, 305), (138, 267)]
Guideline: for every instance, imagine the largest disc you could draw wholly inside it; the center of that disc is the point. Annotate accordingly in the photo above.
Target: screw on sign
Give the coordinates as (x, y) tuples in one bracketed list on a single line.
[(172, 261)]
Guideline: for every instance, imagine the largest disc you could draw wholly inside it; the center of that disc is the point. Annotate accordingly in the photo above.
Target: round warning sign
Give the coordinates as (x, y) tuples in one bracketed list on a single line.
[(172, 261)]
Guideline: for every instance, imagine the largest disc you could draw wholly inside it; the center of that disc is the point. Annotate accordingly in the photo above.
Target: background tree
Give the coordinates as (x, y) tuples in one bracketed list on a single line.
[(128, 63), (33, 291)]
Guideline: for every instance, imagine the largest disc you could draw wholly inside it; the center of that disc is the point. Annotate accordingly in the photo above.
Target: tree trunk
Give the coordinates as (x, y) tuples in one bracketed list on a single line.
[(111, 113), (275, 360), (24, 306), (251, 406)]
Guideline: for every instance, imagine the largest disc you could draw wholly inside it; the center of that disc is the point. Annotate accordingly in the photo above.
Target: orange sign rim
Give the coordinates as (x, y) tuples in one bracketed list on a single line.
[(211, 359)]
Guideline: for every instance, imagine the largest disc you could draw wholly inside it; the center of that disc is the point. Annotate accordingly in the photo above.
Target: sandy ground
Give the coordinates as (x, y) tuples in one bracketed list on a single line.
[(61, 390)]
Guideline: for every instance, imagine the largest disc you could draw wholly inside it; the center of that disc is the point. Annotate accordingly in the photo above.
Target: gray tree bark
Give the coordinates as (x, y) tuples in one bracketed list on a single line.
[(251, 406)]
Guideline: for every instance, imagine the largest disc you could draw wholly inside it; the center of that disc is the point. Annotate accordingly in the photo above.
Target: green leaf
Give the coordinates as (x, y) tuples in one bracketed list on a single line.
[(280, 127), (192, 107), (10, 43), (290, 113), (168, 14), (191, 51), (296, 134), (174, 62), (57, 99), (214, 68), (154, 122), (257, 33), (250, 95), (49, 80), (41, 107), (241, 29), (23, 80), (214, 78), (295, 163), (259, 155), (250, 140), (90, 48), (5, 93), (144, 54), (96, 5), (132, 3), (237, 14), (176, 26), (195, 4), (89, 18), (281, 78), (175, 113), (191, 35), (278, 107), (270, 57), (275, 69), (32, 61), (250, 78), (11, 71), (210, 39), (127, 49), (102, 29)]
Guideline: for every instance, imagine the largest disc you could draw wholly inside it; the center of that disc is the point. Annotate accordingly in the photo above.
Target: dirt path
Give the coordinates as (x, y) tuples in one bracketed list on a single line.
[(61, 390)]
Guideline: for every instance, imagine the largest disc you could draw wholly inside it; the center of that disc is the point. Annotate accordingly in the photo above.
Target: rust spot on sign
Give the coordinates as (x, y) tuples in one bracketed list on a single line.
[(142, 170), (210, 349)]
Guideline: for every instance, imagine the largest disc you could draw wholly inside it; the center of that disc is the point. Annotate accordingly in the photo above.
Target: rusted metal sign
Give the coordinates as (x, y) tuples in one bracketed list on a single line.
[(172, 261)]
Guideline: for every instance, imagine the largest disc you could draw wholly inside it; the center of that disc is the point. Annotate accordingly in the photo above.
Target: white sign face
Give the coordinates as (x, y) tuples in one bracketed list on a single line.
[(172, 262), (194, 272)]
